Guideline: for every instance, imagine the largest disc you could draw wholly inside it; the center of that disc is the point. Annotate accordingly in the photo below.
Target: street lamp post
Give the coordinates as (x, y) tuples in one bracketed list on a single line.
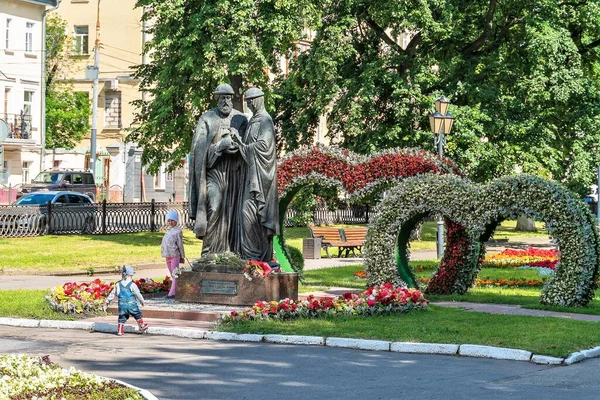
[(441, 125)]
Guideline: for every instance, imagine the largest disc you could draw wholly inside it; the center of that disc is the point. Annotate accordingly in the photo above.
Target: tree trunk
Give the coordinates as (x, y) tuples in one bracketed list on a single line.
[(236, 84), (525, 224)]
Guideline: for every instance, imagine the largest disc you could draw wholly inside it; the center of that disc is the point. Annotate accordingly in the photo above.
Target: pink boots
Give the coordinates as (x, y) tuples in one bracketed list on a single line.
[(143, 327)]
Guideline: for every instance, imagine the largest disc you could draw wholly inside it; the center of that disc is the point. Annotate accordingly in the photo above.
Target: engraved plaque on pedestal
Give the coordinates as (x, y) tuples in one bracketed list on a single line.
[(212, 286)]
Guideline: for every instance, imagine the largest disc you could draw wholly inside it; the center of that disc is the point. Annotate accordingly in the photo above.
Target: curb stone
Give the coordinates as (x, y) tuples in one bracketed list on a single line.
[(546, 360), (291, 339), (228, 336), (424, 348), (377, 345), (20, 322), (143, 392), (574, 358), (50, 323), (493, 352), (184, 333)]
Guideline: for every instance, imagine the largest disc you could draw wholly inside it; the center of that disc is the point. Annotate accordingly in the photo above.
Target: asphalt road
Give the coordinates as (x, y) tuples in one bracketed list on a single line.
[(177, 368)]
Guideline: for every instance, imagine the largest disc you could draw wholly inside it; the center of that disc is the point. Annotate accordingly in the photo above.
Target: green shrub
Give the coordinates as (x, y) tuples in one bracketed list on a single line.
[(296, 258)]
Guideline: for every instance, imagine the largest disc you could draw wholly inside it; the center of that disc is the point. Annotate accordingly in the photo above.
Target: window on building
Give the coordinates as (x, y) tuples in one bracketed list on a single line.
[(29, 37), (27, 102), (112, 110), (25, 174), (81, 39), (7, 35), (159, 179)]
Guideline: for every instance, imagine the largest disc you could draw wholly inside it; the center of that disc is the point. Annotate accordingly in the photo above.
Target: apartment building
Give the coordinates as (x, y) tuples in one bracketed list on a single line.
[(21, 60), (118, 171)]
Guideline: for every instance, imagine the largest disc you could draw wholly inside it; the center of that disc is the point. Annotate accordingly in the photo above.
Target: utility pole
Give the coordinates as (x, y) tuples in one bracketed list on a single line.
[(96, 69)]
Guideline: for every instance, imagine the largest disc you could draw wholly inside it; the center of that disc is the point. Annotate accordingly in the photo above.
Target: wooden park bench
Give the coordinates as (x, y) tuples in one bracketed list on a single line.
[(330, 237), (345, 239)]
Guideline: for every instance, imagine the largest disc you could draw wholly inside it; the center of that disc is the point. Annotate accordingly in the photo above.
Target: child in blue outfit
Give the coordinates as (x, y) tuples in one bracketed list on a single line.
[(128, 294)]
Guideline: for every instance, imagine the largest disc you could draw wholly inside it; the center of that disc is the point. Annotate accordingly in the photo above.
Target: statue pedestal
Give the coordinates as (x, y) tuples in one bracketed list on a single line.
[(234, 289)]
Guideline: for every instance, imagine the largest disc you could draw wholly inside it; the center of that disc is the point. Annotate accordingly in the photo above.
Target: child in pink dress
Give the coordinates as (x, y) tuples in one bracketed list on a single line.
[(172, 247)]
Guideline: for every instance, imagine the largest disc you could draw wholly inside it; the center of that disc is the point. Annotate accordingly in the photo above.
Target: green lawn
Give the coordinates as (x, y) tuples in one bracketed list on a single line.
[(28, 304), (506, 230), (54, 253), (546, 336)]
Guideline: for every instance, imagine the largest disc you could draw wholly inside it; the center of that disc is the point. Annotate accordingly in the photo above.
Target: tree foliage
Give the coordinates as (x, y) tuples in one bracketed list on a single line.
[(522, 76), (194, 46), (67, 112)]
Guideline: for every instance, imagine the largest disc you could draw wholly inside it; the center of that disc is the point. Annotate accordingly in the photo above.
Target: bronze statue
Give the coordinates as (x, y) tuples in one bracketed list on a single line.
[(259, 205), (216, 175)]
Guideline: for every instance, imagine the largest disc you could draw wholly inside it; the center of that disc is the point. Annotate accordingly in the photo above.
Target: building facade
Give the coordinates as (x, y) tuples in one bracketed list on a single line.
[(21, 60), (119, 171)]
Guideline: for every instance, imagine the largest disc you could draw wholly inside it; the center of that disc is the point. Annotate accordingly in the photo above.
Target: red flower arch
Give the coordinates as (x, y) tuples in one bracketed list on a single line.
[(358, 175)]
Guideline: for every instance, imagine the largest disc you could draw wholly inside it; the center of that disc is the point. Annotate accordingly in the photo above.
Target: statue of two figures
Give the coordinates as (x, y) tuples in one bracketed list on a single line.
[(233, 178)]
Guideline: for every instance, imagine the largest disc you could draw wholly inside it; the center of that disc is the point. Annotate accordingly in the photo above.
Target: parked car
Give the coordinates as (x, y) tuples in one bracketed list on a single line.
[(71, 211), (68, 180)]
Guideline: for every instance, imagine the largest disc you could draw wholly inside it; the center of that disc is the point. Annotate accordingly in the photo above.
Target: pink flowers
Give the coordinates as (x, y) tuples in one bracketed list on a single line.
[(377, 300)]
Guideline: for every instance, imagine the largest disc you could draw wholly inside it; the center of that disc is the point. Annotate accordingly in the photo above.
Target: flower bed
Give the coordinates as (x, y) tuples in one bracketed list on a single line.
[(532, 257), (379, 300), (24, 377), (89, 297)]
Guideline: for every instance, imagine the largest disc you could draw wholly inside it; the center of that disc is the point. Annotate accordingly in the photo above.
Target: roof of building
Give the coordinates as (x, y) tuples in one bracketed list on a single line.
[(51, 3)]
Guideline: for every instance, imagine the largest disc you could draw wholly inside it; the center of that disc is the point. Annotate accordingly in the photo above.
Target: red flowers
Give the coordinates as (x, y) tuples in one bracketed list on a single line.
[(90, 296), (333, 163), (373, 301)]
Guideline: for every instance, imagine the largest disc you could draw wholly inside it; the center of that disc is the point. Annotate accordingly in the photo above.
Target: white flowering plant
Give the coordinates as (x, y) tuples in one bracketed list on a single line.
[(25, 377), (472, 212)]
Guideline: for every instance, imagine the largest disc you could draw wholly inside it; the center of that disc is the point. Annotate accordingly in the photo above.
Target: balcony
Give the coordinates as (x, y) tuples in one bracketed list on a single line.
[(19, 125)]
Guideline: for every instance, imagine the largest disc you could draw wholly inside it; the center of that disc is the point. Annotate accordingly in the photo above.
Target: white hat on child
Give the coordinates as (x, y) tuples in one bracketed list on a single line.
[(128, 270), (172, 215)]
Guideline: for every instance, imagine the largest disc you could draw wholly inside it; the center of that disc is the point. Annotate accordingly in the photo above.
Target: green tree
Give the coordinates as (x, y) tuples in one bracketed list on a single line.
[(194, 46), (67, 112), (522, 76)]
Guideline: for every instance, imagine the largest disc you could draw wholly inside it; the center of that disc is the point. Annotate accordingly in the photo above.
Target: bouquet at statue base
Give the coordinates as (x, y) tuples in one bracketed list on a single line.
[(256, 269), (177, 271)]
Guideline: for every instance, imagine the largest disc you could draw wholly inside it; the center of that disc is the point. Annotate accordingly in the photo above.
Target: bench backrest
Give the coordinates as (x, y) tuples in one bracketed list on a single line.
[(355, 234), (328, 234)]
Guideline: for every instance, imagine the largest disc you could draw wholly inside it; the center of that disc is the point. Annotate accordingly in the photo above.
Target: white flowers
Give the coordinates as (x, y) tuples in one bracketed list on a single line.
[(479, 209), (21, 375)]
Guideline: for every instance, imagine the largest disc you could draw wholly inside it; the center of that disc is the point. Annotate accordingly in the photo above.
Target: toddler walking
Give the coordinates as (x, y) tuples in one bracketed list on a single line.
[(128, 294), (172, 247)]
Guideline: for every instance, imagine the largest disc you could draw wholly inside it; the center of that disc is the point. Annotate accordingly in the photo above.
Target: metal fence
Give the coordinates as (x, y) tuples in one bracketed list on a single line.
[(110, 218), (97, 219), (356, 214)]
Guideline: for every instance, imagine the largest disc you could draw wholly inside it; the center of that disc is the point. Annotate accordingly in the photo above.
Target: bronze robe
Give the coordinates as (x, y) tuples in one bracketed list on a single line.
[(215, 183), (260, 205)]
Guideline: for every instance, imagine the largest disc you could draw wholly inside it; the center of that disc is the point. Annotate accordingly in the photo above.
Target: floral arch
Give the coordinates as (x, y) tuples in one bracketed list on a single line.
[(358, 176), (473, 212)]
